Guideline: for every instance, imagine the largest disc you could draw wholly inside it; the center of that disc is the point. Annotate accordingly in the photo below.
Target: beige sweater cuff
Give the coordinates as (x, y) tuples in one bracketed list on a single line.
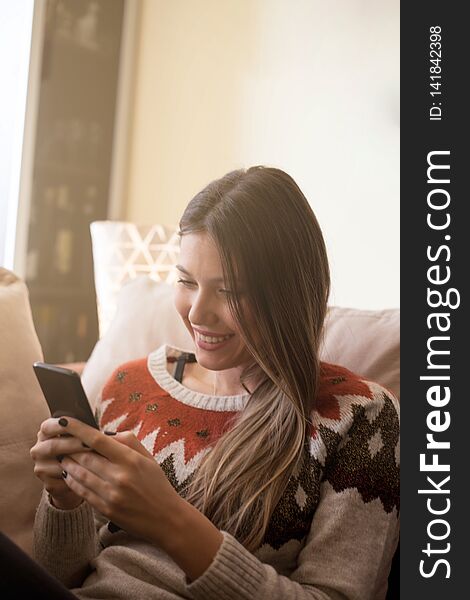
[(234, 574), (64, 540)]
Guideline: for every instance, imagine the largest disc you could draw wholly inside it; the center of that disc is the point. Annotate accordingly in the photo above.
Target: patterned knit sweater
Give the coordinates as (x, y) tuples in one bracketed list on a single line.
[(331, 536)]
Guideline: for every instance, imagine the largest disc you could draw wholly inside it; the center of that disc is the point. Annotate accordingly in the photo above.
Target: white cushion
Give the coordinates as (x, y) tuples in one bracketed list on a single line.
[(123, 251), (145, 319), (366, 342), (22, 410)]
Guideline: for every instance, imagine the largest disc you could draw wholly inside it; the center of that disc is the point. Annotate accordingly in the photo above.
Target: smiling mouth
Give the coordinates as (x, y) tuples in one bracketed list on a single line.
[(210, 339)]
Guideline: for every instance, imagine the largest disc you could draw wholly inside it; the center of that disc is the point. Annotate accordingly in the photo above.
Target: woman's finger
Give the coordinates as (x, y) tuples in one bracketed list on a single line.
[(51, 475), (49, 428), (90, 462), (99, 492), (46, 470), (56, 446), (93, 438), (127, 438)]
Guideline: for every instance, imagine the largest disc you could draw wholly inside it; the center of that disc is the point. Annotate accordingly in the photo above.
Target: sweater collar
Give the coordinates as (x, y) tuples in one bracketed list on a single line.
[(157, 366)]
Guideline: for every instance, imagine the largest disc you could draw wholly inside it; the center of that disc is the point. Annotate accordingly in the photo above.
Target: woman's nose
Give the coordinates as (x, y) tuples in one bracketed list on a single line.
[(203, 310)]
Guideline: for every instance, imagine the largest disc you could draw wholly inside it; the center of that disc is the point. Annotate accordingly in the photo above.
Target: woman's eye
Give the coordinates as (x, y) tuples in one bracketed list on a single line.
[(185, 282), (191, 284)]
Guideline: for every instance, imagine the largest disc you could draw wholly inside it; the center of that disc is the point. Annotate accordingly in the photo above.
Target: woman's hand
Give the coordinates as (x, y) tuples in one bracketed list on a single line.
[(121, 480), (47, 454)]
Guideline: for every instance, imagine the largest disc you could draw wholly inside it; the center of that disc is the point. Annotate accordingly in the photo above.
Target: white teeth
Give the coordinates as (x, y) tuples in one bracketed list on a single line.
[(212, 340)]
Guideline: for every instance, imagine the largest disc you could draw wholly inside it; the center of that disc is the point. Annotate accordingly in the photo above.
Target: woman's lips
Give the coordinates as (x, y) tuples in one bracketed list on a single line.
[(210, 333), (209, 342)]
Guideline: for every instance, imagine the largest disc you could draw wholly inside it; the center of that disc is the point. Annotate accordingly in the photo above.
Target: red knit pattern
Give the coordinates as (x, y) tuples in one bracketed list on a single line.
[(135, 393)]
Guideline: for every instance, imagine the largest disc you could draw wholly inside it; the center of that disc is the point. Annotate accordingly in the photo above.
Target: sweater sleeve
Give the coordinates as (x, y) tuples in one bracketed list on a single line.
[(353, 534), (65, 541)]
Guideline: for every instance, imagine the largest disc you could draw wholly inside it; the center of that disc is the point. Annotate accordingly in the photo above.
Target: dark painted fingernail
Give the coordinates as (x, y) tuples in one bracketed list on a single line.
[(60, 457), (64, 474), (84, 445), (112, 527), (110, 433), (63, 421)]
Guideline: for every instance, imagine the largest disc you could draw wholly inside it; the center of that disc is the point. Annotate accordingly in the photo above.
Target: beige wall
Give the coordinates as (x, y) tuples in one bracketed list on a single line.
[(311, 87)]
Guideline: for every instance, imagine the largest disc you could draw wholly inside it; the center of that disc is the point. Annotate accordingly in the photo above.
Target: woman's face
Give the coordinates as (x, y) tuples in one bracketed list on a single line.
[(201, 300)]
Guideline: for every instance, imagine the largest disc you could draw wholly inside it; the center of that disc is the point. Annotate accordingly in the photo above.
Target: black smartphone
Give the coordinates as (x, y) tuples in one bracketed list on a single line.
[(65, 396), (64, 393)]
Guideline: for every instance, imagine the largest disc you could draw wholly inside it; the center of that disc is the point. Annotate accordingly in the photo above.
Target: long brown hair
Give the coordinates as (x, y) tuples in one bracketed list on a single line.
[(267, 235)]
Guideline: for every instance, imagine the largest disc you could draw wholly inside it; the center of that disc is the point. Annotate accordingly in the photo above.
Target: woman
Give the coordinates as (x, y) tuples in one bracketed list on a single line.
[(247, 469)]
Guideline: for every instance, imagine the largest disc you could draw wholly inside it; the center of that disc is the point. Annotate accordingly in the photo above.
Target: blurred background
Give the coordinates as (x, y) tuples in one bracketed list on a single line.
[(122, 110)]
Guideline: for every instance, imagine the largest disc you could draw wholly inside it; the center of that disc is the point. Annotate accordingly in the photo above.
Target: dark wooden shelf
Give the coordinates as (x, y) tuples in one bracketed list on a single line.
[(68, 170), (73, 149), (67, 44), (53, 293)]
